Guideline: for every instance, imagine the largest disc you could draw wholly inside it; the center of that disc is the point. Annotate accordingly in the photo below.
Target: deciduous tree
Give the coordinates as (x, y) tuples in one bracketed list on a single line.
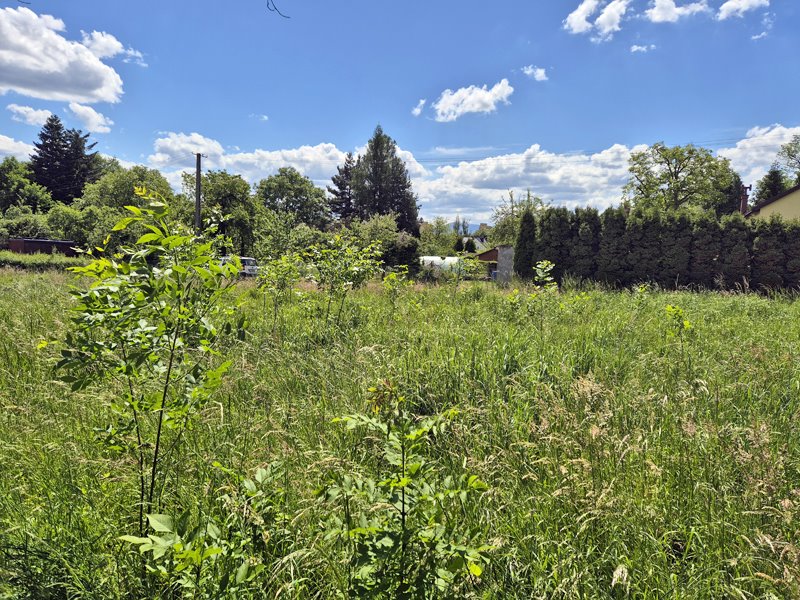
[(290, 192)]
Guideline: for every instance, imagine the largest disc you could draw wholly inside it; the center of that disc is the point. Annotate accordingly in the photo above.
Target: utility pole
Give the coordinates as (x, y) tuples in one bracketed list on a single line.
[(198, 225)]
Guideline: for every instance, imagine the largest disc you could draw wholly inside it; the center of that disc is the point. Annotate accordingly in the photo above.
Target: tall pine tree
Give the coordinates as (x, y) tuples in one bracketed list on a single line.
[(587, 243), (381, 184), (774, 183), (342, 202), (612, 253), (63, 161)]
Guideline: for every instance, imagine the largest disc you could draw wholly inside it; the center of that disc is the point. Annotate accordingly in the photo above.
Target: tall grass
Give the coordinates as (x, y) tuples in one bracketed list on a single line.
[(622, 461)]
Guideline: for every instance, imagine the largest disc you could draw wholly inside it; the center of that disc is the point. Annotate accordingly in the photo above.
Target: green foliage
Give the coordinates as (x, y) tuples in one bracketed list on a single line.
[(676, 244), (612, 252), (395, 282), (38, 262), (789, 157), (23, 224), (664, 178), (555, 239), (397, 247), (791, 253), (437, 238), (469, 246), (381, 184), (150, 317), (276, 279), (586, 245), (116, 188), (768, 259), (507, 217), (706, 251), (402, 530), (18, 189), (525, 248), (643, 233), (773, 184), (228, 558), (292, 193), (339, 266), (735, 250)]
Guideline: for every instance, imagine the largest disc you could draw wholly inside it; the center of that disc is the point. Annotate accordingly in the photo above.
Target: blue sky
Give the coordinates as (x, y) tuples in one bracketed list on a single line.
[(480, 97)]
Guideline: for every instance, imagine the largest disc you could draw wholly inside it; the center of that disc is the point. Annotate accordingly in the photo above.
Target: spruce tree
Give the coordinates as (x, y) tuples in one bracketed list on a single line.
[(459, 245), (734, 251), (525, 248), (706, 238), (469, 246), (612, 253), (773, 184), (587, 243), (769, 260), (63, 161), (381, 184), (342, 202), (733, 197)]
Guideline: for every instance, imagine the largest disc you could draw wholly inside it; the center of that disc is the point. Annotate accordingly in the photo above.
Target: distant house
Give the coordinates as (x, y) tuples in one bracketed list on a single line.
[(787, 205), (499, 262)]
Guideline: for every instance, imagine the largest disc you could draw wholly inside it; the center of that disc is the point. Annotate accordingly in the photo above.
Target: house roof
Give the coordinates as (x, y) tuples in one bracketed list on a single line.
[(764, 203)]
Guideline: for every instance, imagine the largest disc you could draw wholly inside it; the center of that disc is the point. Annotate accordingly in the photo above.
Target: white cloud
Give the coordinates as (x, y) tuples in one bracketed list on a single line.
[(737, 8), (102, 44), (578, 20), (643, 49), (753, 156), (37, 61), (11, 147), (26, 114), (667, 11), (92, 120), (260, 117), (417, 110), (105, 45), (537, 73), (452, 105), (767, 21), (609, 20), (178, 149)]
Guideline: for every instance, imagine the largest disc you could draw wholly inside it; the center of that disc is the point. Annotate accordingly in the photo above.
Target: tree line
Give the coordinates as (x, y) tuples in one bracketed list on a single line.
[(68, 191)]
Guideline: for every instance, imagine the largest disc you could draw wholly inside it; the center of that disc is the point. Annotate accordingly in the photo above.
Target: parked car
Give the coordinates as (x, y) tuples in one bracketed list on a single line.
[(249, 265)]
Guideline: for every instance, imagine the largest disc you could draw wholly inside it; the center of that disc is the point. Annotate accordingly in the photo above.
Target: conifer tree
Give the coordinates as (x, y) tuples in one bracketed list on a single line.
[(381, 184), (705, 241), (342, 203), (773, 184), (612, 253), (555, 235), (768, 259), (587, 243), (469, 246), (644, 239), (735, 250), (63, 162), (791, 249), (676, 243), (525, 248)]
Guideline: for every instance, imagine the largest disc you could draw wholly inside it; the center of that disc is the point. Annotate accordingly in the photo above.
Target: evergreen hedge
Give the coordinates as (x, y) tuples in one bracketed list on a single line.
[(622, 248)]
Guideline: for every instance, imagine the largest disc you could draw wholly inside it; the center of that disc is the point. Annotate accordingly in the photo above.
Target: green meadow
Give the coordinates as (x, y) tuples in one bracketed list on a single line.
[(576, 444)]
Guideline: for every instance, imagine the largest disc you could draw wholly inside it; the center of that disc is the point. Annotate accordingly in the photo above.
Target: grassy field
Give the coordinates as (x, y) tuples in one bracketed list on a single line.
[(629, 451)]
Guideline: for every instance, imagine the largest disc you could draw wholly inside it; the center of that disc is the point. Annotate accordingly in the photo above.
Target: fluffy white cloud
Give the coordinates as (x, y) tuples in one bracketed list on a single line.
[(667, 11), (474, 188), (29, 115), (37, 61), (452, 105), (105, 45), (11, 147), (92, 120), (578, 20), (537, 73), (417, 110), (609, 20), (737, 8), (102, 44), (178, 150), (753, 156), (643, 49)]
